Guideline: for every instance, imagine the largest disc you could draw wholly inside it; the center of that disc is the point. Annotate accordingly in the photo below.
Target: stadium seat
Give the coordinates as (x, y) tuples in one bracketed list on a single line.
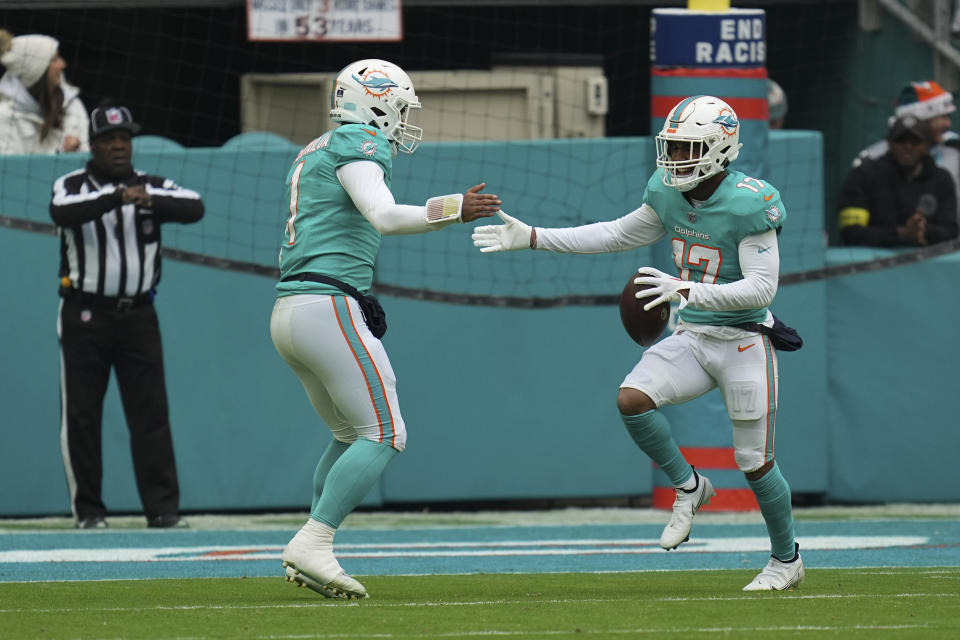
[(155, 144), (257, 140)]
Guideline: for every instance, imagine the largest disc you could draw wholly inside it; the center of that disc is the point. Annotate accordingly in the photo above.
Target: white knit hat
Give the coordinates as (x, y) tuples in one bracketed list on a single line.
[(29, 56)]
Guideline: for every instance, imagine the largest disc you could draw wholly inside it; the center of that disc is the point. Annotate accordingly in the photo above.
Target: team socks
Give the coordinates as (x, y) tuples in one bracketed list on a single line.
[(351, 477), (333, 452), (773, 495), (651, 432)]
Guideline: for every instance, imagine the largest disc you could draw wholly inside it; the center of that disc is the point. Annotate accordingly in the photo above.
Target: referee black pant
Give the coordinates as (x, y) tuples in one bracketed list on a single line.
[(94, 339)]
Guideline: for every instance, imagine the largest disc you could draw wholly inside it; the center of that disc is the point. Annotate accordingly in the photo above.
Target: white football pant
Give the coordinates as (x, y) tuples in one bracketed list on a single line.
[(687, 365), (343, 367)]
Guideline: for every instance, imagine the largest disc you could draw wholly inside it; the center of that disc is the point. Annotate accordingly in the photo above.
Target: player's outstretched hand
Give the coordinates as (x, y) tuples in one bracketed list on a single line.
[(663, 287), (509, 236), (478, 205)]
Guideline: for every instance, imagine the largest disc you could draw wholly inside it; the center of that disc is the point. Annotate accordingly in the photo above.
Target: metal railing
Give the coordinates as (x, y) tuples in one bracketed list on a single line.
[(946, 57)]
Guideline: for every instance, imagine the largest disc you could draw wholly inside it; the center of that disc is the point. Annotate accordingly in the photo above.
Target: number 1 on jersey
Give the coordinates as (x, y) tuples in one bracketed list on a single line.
[(294, 198)]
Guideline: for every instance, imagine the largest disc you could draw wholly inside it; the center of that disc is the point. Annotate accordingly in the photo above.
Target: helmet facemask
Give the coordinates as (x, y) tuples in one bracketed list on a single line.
[(409, 134), (704, 158)]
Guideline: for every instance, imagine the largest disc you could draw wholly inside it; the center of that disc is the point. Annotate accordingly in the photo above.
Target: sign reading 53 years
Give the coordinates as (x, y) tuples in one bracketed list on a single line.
[(324, 20)]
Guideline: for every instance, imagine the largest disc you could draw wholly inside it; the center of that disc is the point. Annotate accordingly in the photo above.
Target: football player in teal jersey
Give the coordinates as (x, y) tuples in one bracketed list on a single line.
[(723, 227), (340, 204)]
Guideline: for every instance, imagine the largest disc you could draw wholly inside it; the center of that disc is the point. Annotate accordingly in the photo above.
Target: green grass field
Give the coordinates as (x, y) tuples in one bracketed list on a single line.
[(875, 603)]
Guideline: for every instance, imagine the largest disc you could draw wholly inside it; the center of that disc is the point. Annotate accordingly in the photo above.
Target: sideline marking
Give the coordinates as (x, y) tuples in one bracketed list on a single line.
[(454, 549)]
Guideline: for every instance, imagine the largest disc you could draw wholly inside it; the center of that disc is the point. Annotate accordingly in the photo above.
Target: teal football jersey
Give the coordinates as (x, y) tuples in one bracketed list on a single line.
[(325, 232), (706, 238)]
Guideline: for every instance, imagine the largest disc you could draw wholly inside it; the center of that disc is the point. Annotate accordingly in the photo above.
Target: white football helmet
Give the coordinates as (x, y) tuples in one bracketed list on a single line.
[(380, 94), (709, 130)]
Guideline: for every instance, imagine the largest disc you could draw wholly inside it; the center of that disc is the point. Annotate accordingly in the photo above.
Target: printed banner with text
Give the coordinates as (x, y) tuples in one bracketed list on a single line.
[(324, 20)]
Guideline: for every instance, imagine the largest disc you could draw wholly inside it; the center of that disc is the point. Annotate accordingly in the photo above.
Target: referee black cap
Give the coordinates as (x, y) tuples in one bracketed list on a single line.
[(110, 118)]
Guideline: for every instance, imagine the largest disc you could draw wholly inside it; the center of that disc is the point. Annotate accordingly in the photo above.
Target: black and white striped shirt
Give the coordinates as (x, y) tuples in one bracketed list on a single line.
[(109, 248)]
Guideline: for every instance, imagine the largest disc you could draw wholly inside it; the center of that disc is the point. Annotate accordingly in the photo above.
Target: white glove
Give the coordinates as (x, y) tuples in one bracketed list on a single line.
[(664, 286), (510, 236)]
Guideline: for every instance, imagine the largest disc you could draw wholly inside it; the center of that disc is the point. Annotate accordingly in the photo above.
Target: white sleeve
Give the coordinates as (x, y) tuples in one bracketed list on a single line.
[(363, 182), (760, 263), (638, 228)]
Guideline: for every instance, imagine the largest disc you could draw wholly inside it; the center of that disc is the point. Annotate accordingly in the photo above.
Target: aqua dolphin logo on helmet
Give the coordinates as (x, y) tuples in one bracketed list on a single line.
[(728, 121), (376, 85)]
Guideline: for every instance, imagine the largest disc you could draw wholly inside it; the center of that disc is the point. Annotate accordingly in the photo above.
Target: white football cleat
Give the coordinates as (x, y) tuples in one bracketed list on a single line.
[(309, 562), (779, 575), (685, 507), (342, 587)]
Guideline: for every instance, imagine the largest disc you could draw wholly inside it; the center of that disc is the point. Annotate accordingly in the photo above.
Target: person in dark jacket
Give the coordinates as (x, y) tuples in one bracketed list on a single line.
[(901, 198), (108, 217)]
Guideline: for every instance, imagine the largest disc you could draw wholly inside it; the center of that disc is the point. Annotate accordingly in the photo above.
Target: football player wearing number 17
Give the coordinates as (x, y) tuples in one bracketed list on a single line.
[(723, 226), (340, 205)]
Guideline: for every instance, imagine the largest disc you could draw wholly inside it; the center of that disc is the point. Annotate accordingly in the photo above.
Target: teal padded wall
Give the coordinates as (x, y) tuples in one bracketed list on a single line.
[(891, 370)]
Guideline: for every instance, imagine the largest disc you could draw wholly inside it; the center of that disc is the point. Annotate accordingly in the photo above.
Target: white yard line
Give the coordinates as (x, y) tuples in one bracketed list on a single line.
[(463, 603)]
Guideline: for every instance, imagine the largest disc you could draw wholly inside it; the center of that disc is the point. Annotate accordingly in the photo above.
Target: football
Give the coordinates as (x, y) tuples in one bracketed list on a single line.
[(645, 327)]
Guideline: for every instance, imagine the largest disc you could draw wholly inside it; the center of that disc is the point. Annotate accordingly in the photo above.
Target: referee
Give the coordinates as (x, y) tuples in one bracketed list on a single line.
[(108, 217)]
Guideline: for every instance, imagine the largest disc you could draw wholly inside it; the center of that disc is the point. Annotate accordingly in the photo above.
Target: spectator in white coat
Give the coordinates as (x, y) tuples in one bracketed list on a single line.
[(40, 112)]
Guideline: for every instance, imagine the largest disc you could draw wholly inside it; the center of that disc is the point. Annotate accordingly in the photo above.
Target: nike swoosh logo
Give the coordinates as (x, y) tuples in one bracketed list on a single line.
[(767, 198), (742, 348), (371, 132), (763, 249)]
